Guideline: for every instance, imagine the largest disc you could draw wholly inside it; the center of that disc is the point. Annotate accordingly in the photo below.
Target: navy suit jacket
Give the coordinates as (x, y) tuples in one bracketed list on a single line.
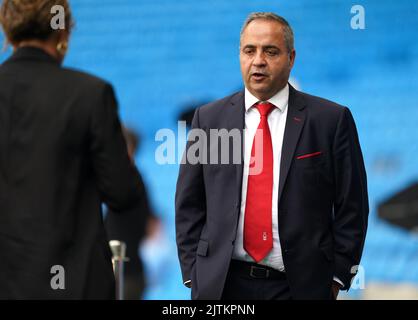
[(322, 203)]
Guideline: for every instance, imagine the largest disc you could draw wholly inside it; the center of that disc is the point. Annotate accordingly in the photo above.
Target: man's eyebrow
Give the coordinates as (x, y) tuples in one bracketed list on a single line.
[(249, 46), (271, 47), (252, 46)]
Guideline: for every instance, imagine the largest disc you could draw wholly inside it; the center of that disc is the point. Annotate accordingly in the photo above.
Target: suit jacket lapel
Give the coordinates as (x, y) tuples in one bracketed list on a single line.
[(235, 113), (294, 124)]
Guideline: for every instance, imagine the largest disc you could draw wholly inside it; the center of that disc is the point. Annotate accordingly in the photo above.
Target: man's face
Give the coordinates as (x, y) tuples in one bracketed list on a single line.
[(265, 62)]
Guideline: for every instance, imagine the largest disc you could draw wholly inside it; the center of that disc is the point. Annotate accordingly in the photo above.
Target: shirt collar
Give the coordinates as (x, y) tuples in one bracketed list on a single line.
[(279, 100)]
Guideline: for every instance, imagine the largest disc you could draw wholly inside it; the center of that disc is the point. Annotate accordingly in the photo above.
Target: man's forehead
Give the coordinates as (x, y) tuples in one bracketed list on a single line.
[(261, 31)]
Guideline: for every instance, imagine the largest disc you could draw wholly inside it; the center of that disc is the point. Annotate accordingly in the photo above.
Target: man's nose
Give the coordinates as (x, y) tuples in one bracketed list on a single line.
[(259, 59)]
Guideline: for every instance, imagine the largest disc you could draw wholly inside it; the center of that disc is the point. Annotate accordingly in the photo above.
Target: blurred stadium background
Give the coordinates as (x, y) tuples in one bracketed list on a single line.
[(162, 55)]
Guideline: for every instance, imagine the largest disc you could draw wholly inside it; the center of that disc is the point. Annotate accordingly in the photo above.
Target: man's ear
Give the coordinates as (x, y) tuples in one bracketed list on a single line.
[(292, 57)]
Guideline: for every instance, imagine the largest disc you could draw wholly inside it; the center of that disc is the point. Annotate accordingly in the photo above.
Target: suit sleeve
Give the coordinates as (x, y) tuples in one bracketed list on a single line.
[(351, 200), (116, 177), (190, 203)]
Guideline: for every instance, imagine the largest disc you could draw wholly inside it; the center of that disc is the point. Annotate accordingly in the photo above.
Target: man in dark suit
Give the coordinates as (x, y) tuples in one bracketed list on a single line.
[(289, 219), (62, 154)]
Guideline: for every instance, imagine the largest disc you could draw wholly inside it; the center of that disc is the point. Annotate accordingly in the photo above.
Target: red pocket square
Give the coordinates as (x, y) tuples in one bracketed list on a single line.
[(309, 155)]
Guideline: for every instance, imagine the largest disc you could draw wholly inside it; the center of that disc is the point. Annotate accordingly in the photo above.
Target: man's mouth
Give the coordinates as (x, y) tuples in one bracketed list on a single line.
[(258, 76)]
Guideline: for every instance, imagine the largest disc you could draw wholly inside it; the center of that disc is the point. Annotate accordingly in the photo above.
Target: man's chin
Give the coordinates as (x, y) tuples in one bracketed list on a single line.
[(261, 93)]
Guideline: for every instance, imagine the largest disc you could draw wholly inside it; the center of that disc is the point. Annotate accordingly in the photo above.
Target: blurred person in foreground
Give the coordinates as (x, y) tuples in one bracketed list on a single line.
[(287, 220), (132, 227), (62, 154)]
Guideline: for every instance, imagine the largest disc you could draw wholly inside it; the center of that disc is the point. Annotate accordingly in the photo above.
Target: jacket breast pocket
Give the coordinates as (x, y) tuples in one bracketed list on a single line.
[(202, 248), (310, 160)]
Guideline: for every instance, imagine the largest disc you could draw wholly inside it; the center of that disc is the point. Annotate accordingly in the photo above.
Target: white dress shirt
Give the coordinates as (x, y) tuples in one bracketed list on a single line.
[(277, 122)]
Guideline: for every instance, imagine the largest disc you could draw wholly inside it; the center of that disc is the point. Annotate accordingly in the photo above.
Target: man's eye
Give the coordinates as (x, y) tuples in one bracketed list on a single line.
[(248, 51), (272, 52)]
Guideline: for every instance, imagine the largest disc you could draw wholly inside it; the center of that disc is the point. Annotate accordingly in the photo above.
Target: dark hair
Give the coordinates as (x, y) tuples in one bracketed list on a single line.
[(287, 29), (31, 19)]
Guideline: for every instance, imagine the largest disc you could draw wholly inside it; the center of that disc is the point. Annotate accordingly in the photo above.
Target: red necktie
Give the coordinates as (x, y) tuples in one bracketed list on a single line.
[(258, 237)]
